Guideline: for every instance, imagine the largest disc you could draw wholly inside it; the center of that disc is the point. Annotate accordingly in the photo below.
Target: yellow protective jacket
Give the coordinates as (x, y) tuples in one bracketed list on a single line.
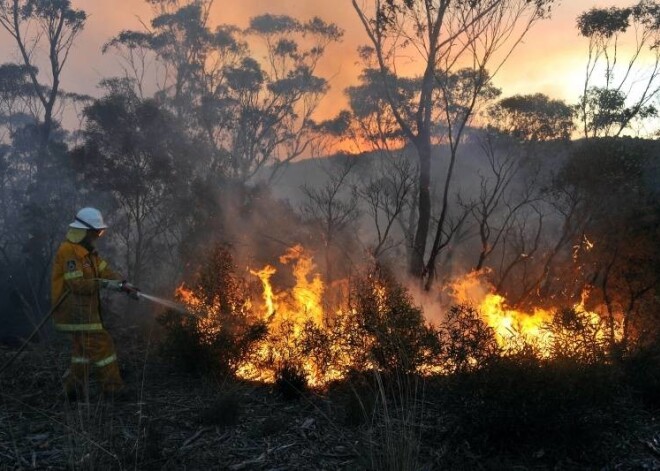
[(78, 270)]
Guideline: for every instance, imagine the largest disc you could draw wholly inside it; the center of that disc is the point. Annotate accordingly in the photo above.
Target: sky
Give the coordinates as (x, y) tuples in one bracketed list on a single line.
[(551, 60)]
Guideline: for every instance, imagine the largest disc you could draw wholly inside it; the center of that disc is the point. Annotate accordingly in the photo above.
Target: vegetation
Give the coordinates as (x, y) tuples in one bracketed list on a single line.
[(200, 154), (219, 330)]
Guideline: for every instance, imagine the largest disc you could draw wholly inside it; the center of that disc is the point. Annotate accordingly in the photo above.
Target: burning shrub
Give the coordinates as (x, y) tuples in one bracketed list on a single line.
[(220, 330), (577, 335), (468, 342), (397, 339)]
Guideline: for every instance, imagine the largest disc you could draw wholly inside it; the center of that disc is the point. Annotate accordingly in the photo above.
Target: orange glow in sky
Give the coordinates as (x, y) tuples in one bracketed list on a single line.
[(551, 60)]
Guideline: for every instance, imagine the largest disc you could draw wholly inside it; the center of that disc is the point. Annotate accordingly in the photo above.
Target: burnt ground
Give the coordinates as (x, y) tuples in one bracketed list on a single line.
[(178, 422)]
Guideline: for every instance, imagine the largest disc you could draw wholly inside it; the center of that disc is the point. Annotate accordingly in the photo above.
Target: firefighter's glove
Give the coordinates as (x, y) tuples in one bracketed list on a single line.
[(114, 285), (132, 291)]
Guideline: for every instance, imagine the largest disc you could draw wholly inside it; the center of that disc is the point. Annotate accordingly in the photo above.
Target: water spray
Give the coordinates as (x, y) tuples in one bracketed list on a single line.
[(164, 302)]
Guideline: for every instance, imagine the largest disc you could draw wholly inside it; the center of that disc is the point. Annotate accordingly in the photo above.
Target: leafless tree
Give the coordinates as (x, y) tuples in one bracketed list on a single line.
[(520, 245), (387, 196), (499, 201), (332, 207)]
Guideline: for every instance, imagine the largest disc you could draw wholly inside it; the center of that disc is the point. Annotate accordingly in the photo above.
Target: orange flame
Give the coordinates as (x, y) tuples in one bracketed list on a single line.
[(288, 312), (512, 325), (293, 313), (269, 299)]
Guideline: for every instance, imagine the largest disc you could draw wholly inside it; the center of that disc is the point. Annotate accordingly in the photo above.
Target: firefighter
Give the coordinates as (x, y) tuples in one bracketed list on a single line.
[(78, 274)]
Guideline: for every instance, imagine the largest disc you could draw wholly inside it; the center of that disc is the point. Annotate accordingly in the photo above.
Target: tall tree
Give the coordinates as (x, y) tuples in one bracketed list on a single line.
[(135, 151), (621, 80), (52, 25), (246, 112), (444, 35)]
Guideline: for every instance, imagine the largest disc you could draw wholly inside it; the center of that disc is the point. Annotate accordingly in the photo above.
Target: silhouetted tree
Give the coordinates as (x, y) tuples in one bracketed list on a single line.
[(54, 24), (532, 118), (247, 113), (628, 85), (443, 34), (332, 207), (135, 151)]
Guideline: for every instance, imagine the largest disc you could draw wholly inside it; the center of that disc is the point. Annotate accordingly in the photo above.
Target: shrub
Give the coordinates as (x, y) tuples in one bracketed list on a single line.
[(577, 336), (397, 339), (467, 341), (220, 329), (520, 405)]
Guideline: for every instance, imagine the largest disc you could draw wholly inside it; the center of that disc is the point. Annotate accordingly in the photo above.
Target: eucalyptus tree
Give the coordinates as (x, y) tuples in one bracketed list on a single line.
[(135, 151), (622, 78), (39, 190), (245, 110), (51, 26), (532, 118), (454, 44), (16, 98)]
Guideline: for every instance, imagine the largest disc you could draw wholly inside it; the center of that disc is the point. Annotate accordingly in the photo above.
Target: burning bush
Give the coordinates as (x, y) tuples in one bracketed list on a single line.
[(221, 330), (577, 335), (397, 338), (468, 342)]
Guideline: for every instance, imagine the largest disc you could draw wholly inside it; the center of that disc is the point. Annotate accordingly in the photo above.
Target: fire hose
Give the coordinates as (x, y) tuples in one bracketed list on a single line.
[(133, 293)]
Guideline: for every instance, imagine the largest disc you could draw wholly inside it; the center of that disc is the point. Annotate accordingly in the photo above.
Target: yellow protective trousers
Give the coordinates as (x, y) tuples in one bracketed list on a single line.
[(93, 350)]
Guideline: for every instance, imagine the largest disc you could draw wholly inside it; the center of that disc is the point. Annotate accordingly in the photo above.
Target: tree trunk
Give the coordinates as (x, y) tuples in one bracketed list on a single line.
[(424, 209)]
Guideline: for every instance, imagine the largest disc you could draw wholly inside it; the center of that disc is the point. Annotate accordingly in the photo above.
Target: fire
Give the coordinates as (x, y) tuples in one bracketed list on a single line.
[(512, 326), (288, 314), (264, 275), (197, 308), (309, 288), (301, 333)]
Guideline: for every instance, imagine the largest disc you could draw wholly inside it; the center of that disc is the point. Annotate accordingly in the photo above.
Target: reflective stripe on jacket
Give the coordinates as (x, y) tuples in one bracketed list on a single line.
[(77, 269)]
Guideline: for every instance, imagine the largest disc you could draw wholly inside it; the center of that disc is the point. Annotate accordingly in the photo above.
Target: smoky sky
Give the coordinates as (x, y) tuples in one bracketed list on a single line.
[(551, 59)]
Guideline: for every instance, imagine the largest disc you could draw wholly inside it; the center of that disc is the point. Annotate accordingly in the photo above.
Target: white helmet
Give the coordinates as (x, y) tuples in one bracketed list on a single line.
[(89, 218)]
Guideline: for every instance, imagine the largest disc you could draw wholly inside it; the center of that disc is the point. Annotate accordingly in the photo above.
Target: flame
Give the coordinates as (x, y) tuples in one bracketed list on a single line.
[(269, 299), (293, 314), (512, 326), (288, 313), (196, 307), (307, 293)]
